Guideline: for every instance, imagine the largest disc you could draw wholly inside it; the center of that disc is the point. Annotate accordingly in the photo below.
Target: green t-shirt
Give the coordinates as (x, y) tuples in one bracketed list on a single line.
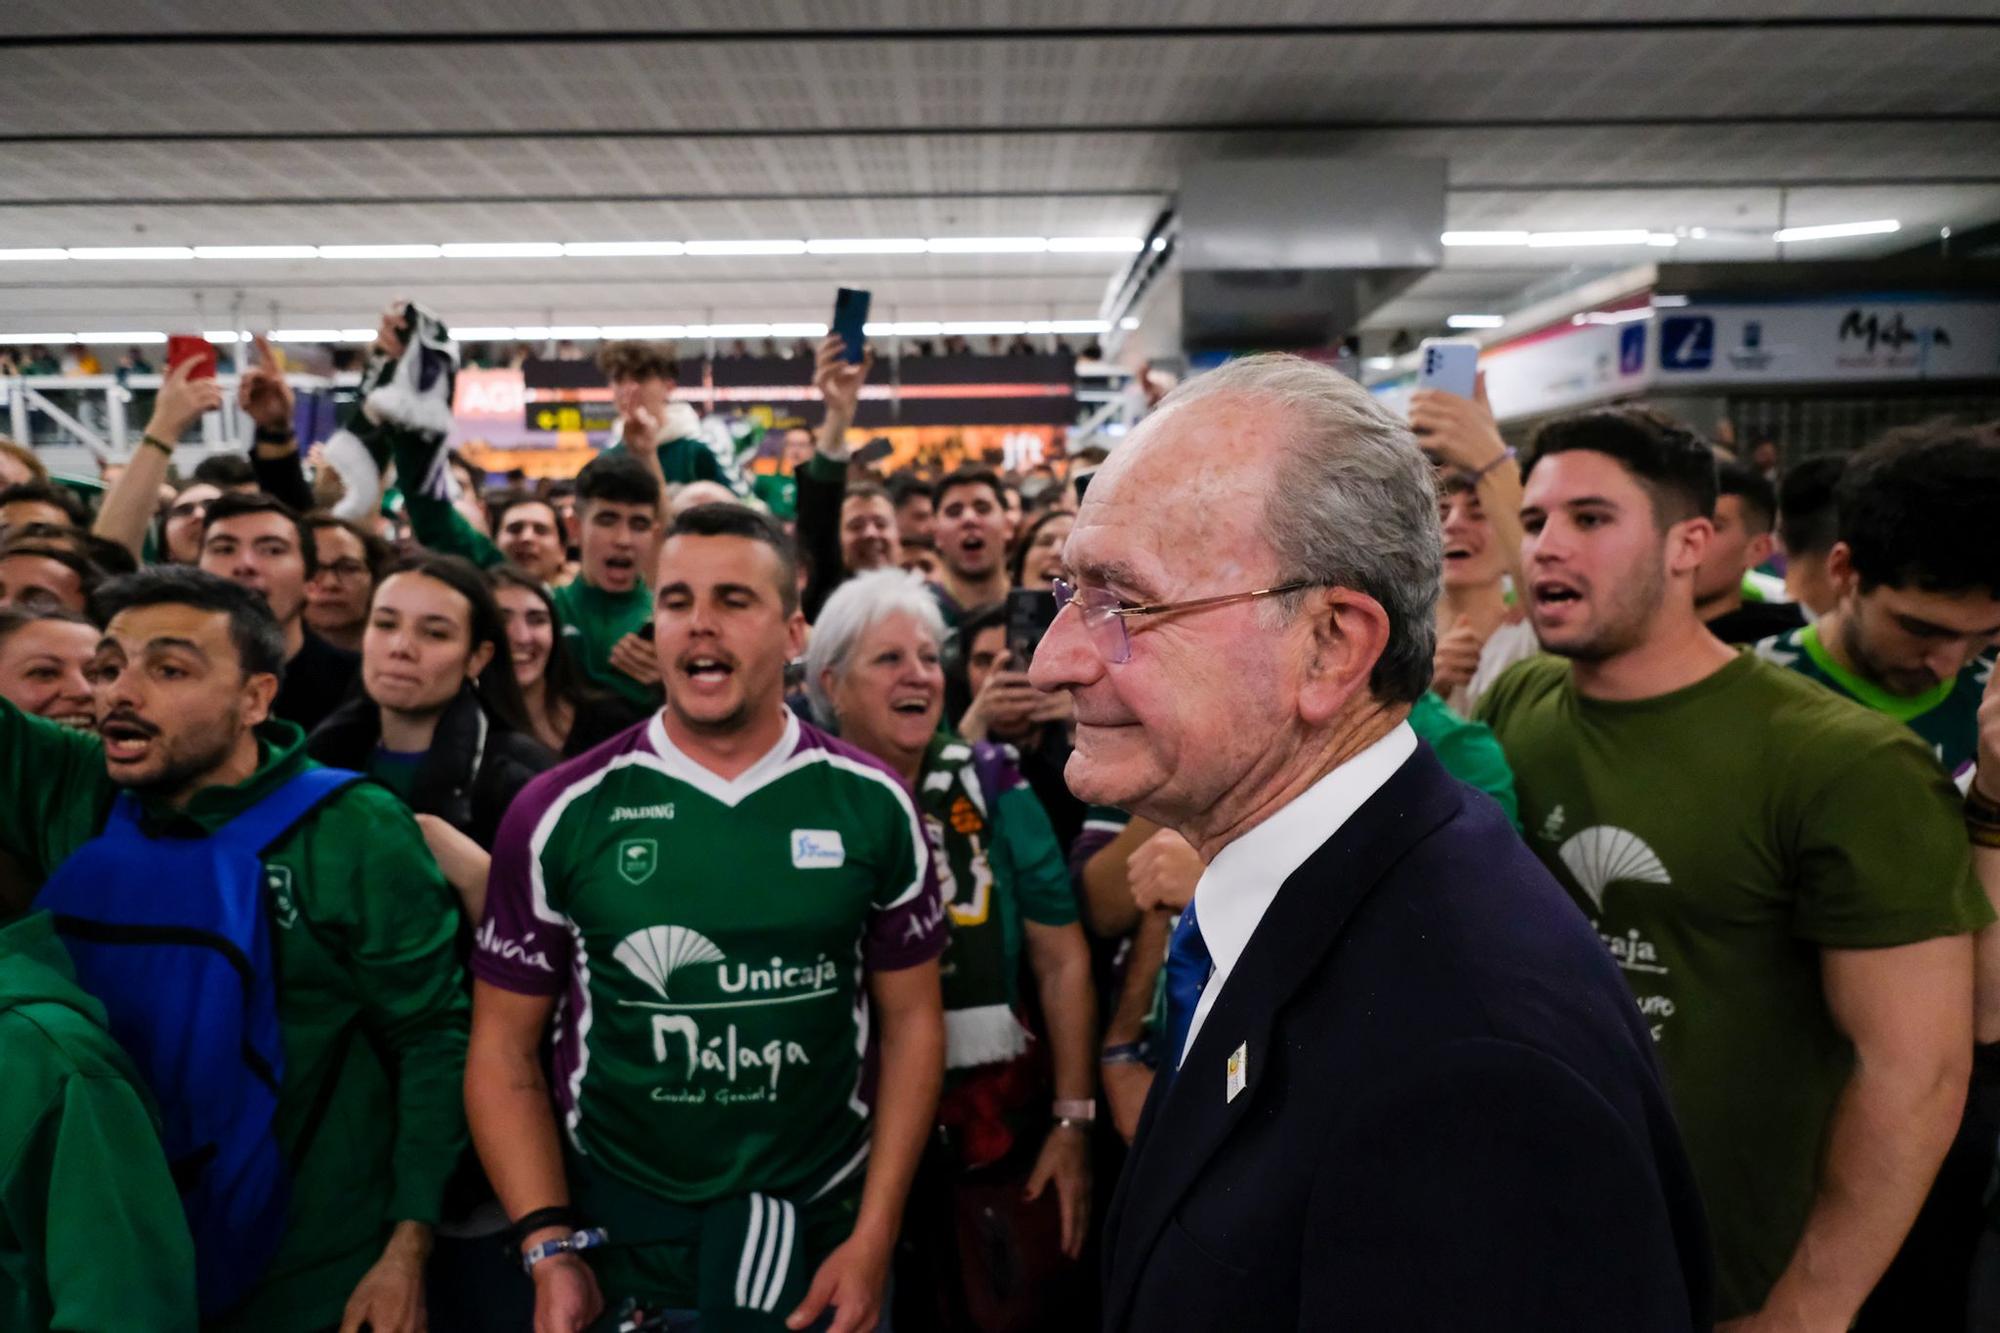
[(1947, 717), (780, 494), (711, 940), (1720, 837), (593, 621)]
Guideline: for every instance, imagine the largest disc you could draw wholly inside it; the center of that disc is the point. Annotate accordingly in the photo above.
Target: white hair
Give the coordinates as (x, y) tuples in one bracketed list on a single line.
[(1355, 504), (857, 606)]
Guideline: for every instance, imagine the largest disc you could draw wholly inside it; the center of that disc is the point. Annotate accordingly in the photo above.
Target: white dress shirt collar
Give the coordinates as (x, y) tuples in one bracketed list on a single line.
[(1239, 884)]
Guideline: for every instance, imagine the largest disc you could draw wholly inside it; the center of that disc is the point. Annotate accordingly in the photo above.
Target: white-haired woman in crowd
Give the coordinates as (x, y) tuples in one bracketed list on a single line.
[(873, 671)]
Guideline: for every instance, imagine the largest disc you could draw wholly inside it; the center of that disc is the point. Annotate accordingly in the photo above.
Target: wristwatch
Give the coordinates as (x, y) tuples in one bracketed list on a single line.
[(587, 1239)]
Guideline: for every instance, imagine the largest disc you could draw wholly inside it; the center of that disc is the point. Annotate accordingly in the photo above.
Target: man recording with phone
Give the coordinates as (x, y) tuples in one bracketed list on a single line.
[(842, 530), (1005, 707)]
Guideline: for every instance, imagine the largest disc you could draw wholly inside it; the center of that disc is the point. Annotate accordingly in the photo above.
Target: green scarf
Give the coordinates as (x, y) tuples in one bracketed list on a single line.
[(955, 793)]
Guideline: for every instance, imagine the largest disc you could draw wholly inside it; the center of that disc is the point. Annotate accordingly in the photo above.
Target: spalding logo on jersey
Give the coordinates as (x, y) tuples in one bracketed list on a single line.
[(817, 849)]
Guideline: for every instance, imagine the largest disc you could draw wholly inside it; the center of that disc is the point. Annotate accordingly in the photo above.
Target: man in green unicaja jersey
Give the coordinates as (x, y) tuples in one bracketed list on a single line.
[(731, 908), (363, 936), (1783, 876), (1916, 573)]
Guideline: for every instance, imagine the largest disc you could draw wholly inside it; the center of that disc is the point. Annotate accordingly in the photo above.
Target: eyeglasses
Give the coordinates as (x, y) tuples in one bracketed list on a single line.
[(346, 570), (1104, 615)]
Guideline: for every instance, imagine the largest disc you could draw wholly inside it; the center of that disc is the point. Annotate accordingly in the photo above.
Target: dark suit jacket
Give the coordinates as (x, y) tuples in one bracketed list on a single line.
[(1452, 1120)]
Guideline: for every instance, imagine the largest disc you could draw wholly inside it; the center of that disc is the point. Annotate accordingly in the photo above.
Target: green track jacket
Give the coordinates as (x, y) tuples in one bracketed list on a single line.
[(370, 987)]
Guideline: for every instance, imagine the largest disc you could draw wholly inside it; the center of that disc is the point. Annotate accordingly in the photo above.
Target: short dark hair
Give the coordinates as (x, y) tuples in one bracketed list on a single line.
[(375, 553), (969, 474), (1759, 496), (260, 644), (499, 506), (619, 478), (1808, 523), (866, 490), (1917, 509), (906, 486), (48, 493), (1675, 466), (109, 556), (235, 504), (89, 575), (225, 471), (1017, 560), (736, 520)]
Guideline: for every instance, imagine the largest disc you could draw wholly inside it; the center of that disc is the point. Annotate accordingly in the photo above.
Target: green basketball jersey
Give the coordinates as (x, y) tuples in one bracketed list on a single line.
[(1947, 717), (710, 940)]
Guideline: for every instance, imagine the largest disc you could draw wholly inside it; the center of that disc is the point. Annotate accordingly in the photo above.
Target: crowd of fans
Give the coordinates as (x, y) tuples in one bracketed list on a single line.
[(666, 879)]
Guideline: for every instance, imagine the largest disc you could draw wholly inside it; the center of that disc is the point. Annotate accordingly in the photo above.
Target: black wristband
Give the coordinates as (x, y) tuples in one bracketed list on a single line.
[(284, 436), (561, 1215)]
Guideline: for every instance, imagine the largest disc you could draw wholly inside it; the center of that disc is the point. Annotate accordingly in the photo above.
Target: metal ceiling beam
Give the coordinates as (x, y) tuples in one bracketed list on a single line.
[(1083, 32), (1358, 125)]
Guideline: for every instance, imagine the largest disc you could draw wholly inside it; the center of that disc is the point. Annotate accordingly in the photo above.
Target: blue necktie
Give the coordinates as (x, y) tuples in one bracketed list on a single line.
[(1188, 970)]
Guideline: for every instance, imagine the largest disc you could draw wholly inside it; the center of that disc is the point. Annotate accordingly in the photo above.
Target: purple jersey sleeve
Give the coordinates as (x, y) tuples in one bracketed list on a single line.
[(517, 949), (907, 925)]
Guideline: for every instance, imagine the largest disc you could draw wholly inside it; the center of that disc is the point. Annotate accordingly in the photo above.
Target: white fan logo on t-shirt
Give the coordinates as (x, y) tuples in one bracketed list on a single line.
[(1601, 856)]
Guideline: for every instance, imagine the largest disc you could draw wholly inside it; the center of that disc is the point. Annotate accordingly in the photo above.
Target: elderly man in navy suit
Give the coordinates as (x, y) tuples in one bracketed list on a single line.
[(1405, 1086)]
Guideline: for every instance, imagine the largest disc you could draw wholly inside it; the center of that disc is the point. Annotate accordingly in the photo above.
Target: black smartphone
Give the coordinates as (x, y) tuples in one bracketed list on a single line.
[(874, 451), (1030, 612), (850, 318)]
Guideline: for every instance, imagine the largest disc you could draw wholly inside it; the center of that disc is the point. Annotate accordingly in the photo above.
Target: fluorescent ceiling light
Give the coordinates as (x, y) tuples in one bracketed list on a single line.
[(531, 333), (130, 252), (29, 339), (862, 245), (501, 250), (1613, 316), (720, 248), (379, 252), (798, 330), (987, 245), (619, 249), (33, 253), (225, 337), (573, 332), (1835, 230), (1484, 238), (643, 331), (1474, 321), (256, 252), (1129, 323), (1159, 243), (976, 327), (1665, 240), (358, 335), (306, 335), (1548, 239), (904, 329), (1095, 245), (1668, 302), (1069, 326), (498, 333), (124, 336)]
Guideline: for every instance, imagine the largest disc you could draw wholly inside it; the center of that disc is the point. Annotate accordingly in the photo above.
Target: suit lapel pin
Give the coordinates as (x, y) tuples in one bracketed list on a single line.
[(1239, 1070)]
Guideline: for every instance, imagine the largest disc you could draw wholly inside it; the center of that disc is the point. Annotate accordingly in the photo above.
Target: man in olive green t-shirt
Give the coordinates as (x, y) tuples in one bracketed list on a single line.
[(1783, 876)]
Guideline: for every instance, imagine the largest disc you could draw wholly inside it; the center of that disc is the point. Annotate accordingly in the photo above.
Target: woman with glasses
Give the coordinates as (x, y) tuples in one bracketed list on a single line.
[(351, 559), (873, 669)]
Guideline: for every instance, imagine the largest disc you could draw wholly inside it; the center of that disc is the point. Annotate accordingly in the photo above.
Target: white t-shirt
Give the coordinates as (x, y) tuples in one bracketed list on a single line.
[(1511, 643)]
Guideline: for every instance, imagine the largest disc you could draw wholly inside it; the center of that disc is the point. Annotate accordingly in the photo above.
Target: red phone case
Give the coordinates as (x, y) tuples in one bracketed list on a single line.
[(186, 347)]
